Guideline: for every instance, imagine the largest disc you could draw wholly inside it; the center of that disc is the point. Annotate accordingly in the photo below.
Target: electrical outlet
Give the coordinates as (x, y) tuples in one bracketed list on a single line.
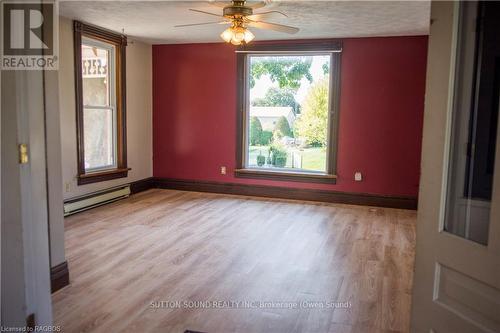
[(222, 170), (67, 186), (358, 176)]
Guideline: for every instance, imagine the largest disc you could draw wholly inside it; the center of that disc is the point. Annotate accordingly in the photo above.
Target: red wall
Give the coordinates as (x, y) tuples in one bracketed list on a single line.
[(381, 114)]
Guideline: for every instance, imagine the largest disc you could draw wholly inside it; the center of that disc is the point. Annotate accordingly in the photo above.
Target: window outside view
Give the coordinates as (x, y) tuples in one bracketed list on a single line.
[(98, 119), (288, 112)]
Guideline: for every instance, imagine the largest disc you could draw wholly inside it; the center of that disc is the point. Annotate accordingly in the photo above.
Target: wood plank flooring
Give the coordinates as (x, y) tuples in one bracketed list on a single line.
[(130, 261)]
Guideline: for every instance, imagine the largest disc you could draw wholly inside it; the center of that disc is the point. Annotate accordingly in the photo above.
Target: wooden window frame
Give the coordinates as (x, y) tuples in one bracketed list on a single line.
[(334, 48), (120, 42)]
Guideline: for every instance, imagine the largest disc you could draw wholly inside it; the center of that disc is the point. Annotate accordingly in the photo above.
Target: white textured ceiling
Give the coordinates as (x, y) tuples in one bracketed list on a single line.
[(153, 21)]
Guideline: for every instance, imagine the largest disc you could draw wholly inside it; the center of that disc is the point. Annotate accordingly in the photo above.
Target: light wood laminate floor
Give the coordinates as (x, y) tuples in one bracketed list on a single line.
[(163, 245)]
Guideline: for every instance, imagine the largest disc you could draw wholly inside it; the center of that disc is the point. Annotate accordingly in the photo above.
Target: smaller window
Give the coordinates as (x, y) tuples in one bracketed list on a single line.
[(100, 104)]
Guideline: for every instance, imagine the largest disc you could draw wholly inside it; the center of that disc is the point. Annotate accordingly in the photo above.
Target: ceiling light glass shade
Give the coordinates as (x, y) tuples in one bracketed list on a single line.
[(227, 35), (238, 35), (249, 36), (235, 41)]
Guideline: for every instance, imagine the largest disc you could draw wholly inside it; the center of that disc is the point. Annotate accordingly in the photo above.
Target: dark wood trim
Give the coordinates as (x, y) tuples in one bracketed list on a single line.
[(94, 177), (364, 199), (120, 41), (241, 87), (333, 124), (142, 185), (285, 176), (30, 323), (121, 99), (292, 46), (77, 53), (93, 31), (241, 106), (59, 276)]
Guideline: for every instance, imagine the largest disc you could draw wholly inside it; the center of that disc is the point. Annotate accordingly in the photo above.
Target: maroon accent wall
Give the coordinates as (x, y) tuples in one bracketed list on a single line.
[(381, 114)]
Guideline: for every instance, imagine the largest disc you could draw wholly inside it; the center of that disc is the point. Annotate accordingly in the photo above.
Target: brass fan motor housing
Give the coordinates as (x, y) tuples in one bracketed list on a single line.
[(241, 11)]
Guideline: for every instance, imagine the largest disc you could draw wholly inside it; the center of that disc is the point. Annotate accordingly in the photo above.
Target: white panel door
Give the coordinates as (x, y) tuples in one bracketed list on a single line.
[(457, 273)]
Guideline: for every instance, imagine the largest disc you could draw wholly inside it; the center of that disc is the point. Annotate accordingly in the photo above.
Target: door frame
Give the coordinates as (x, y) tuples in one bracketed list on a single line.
[(26, 298)]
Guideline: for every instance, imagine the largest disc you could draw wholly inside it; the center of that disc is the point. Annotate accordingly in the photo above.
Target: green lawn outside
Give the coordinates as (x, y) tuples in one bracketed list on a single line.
[(313, 159)]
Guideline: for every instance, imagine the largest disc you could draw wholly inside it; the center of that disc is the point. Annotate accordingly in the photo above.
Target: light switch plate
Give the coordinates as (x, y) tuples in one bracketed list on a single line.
[(222, 170)]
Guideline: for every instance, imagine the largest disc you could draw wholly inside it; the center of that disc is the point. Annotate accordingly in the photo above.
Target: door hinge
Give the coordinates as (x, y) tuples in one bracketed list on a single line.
[(23, 153)]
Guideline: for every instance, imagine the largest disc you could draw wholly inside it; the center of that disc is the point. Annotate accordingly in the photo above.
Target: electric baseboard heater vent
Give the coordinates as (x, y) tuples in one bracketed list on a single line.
[(96, 199)]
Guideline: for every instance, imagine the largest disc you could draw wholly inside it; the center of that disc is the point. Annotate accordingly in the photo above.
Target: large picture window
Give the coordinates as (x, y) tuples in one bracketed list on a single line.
[(288, 111), (100, 104)]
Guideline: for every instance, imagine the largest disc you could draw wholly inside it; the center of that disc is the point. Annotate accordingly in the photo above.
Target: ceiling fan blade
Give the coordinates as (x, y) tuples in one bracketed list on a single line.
[(219, 4), (273, 26), (204, 23), (203, 12), (273, 14), (258, 4)]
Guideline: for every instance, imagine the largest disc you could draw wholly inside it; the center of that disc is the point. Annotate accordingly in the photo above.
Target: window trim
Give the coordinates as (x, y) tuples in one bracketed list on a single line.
[(334, 48), (112, 98), (82, 30)]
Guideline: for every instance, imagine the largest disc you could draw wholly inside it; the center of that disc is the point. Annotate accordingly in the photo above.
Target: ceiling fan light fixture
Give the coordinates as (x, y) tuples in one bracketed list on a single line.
[(237, 35), (240, 14)]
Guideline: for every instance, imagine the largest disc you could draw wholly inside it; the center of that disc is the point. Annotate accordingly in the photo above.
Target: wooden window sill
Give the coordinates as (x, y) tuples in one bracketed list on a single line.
[(286, 175), (100, 176)]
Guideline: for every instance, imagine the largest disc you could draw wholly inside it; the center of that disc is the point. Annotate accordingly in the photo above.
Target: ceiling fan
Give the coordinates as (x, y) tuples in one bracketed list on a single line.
[(239, 14)]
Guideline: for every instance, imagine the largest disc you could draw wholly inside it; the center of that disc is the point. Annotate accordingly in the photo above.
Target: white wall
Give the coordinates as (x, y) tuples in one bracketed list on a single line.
[(139, 114)]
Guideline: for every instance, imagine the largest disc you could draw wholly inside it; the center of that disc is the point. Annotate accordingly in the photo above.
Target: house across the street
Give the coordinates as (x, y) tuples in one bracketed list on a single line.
[(269, 115)]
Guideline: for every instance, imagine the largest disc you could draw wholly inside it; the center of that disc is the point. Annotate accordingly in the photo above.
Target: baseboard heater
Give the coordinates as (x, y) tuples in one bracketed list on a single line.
[(88, 201)]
